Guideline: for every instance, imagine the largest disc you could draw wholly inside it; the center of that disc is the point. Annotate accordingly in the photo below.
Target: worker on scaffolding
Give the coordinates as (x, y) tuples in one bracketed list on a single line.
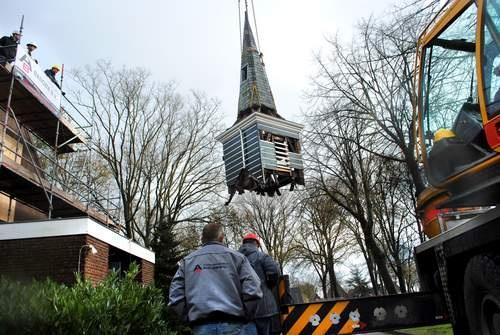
[(52, 72), (31, 46), (8, 47)]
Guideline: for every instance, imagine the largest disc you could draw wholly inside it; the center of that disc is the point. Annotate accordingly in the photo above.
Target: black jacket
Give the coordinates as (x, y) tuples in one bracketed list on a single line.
[(8, 47), (52, 77), (268, 272)]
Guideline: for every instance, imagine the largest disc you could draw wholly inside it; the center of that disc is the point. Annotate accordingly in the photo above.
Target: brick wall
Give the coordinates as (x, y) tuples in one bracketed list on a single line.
[(39, 258), (57, 258), (95, 267), (147, 272)]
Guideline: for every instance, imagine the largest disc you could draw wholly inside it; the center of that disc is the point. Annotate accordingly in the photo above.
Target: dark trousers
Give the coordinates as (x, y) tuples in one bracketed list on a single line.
[(263, 326)]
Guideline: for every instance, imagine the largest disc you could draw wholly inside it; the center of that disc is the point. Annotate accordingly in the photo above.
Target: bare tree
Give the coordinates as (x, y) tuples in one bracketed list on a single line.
[(363, 103), (345, 171), (323, 240), (373, 79), (184, 172), (396, 223), (273, 219), (233, 222), (159, 146)]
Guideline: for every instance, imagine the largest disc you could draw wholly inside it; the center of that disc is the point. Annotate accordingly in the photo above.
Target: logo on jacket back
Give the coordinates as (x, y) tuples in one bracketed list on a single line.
[(197, 268)]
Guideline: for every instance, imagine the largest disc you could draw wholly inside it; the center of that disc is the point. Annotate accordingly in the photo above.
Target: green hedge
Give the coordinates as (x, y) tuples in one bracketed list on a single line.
[(115, 306)]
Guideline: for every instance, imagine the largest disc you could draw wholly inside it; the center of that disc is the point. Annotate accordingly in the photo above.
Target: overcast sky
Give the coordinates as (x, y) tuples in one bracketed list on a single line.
[(193, 42)]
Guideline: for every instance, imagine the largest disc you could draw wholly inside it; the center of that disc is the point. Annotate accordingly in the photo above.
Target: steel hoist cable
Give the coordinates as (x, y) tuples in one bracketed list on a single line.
[(255, 24), (239, 25)]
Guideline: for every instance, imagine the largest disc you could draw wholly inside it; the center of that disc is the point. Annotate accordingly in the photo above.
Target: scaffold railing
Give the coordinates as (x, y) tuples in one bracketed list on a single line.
[(48, 165)]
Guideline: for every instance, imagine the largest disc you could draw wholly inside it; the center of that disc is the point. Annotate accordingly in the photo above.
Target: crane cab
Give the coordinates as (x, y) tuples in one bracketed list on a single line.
[(458, 71)]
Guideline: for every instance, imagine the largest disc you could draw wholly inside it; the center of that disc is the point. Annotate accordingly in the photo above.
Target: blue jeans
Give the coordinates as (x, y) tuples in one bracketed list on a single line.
[(225, 328)]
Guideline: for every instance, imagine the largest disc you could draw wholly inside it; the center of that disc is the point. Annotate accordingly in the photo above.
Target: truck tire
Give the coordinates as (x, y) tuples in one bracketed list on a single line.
[(482, 294)]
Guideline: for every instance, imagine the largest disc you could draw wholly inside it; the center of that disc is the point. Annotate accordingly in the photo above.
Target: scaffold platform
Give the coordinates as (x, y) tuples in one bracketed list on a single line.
[(37, 114)]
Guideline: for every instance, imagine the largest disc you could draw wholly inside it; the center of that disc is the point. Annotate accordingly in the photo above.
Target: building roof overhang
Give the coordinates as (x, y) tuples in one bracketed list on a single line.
[(75, 226)]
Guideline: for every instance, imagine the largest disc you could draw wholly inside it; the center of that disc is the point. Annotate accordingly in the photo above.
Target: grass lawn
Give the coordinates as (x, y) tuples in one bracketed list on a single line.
[(434, 330)]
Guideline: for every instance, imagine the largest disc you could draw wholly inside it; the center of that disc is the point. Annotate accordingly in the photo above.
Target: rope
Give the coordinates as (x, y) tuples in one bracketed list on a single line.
[(255, 24)]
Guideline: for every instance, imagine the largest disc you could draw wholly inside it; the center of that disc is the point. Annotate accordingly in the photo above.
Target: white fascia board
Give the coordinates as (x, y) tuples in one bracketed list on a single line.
[(78, 226), (256, 117)]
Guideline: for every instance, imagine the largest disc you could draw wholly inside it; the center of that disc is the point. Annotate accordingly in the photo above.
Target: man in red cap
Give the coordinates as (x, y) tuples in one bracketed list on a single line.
[(268, 272)]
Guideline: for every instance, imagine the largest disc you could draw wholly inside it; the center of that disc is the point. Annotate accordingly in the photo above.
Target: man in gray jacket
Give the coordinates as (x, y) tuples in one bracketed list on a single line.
[(215, 288), (268, 272)]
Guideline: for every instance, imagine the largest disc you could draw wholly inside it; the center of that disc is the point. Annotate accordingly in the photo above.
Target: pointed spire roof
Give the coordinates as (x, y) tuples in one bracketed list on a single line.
[(255, 92)]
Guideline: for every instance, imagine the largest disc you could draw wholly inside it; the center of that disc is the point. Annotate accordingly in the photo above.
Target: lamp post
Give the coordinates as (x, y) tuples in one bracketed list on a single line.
[(91, 248)]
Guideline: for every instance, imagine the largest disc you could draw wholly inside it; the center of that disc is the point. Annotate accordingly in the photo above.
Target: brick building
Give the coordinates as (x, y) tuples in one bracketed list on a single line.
[(60, 248), (51, 224)]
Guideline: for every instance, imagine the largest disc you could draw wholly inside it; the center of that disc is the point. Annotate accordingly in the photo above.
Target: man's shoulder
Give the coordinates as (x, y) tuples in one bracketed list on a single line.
[(4, 41), (236, 253), (214, 248)]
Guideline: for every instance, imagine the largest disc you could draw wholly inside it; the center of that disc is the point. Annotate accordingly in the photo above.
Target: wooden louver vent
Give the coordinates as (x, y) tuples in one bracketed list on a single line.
[(282, 159)]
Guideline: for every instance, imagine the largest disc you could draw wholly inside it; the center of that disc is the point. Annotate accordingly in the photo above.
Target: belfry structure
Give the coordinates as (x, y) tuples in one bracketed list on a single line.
[(262, 150)]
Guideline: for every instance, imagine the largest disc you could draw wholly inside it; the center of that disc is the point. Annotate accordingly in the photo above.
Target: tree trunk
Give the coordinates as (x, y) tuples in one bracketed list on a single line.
[(371, 271), (400, 275), (381, 262), (414, 172), (334, 291), (127, 217), (324, 286)]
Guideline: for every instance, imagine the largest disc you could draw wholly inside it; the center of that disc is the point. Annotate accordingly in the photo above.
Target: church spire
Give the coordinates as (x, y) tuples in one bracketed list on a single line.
[(255, 92)]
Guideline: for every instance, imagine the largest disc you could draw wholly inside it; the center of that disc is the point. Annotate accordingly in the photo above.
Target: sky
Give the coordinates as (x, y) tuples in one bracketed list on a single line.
[(195, 43), (192, 42)]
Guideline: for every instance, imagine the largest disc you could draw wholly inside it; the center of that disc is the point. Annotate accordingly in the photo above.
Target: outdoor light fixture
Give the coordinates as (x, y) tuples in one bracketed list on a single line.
[(93, 250), (88, 247)]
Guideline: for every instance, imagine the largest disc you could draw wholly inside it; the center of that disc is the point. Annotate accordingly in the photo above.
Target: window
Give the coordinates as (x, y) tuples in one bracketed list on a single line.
[(449, 75), (244, 73), (491, 57)]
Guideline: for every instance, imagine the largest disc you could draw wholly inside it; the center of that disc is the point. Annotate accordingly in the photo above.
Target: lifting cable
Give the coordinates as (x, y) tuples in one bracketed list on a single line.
[(255, 24), (239, 25)]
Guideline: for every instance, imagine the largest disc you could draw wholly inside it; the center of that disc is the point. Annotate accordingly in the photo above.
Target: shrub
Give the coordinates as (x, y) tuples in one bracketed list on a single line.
[(115, 306)]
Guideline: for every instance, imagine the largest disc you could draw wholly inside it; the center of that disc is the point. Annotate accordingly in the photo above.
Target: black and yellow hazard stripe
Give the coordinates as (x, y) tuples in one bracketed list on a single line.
[(361, 315), (298, 319), (326, 323)]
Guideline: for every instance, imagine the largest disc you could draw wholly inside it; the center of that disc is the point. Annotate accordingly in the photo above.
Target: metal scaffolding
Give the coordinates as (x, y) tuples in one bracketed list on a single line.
[(35, 144)]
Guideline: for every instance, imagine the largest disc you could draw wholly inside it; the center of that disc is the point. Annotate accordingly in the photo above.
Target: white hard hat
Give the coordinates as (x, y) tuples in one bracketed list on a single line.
[(16, 32), (33, 44)]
